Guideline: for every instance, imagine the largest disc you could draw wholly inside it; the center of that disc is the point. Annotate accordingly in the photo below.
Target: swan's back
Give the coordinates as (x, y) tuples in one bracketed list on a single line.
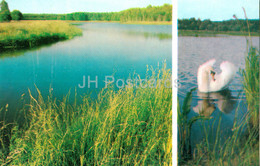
[(228, 69)]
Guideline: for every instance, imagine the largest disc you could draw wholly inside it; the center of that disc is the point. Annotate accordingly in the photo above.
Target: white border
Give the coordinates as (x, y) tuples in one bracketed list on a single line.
[(175, 77)]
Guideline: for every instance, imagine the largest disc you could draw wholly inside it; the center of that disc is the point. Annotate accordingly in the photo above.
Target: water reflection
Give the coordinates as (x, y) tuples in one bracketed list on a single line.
[(208, 102), (21, 51), (160, 36)]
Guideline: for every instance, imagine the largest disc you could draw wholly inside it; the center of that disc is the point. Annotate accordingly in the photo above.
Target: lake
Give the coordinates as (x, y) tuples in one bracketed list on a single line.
[(194, 51), (105, 49)]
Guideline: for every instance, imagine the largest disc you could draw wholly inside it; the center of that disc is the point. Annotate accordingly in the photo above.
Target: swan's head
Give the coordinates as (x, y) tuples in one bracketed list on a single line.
[(210, 70)]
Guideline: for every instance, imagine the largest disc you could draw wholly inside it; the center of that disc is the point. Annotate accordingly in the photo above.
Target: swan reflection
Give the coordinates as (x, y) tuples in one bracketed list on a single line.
[(208, 102)]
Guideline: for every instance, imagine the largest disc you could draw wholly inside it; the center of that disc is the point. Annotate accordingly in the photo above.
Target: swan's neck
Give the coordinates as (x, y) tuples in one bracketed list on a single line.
[(203, 81)]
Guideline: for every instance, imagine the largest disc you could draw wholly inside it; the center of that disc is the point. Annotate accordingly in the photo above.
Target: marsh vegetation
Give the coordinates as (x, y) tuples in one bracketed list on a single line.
[(28, 34), (131, 126)]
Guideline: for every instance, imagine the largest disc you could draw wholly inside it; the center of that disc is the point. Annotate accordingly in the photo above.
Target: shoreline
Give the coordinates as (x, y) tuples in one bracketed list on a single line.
[(33, 33), (120, 22), (128, 22), (200, 33)]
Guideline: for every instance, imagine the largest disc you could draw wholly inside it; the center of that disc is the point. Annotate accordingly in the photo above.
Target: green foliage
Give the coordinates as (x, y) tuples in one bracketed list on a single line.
[(131, 126), (151, 13), (230, 25), (79, 16), (16, 15), (5, 15)]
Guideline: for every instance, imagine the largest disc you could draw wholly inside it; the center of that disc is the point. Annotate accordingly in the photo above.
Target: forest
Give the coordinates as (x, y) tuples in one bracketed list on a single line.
[(228, 25), (150, 13)]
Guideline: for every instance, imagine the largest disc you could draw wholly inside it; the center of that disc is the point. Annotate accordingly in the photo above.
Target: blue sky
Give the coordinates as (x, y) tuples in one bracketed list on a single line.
[(217, 10), (68, 6)]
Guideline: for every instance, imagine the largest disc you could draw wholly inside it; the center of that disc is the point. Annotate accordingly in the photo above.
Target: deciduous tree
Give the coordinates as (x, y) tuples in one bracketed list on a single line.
[(5, 15), (16, 15)]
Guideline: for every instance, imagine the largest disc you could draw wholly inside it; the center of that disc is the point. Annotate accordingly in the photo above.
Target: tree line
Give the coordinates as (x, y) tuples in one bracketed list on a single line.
[(150, 13), (229, 25)]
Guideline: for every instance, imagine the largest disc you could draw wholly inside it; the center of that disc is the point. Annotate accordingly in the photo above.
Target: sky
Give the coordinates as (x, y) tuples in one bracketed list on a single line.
[(217, 10), (69, 6)]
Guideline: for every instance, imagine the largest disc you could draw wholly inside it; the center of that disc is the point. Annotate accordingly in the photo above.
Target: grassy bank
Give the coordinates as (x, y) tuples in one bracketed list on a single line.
[(131, 126), (27, 34), (196, 33)]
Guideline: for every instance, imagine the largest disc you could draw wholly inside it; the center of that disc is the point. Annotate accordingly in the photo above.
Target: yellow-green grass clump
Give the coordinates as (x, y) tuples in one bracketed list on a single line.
[(251, 86), (26, 34), (131, 126)]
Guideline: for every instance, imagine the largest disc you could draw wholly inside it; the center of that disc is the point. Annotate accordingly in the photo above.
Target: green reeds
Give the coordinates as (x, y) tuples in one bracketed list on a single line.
[(184, 127), (27, 34), (132, 126), (251, 85)]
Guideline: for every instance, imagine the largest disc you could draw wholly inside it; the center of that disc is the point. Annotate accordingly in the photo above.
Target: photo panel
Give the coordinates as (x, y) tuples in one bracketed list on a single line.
[(86, 82), (218, 76)]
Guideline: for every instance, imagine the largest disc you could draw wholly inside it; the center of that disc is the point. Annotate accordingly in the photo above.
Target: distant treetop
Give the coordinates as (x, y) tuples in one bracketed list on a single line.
[(5, 14)]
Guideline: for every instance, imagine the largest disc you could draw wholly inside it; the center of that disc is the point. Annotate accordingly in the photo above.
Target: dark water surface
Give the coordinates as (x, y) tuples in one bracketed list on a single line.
[(105, 49), (194, 51)]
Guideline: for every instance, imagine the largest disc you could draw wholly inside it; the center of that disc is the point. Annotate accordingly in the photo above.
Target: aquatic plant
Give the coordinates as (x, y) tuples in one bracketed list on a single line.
[(184, 127), (251, 85)]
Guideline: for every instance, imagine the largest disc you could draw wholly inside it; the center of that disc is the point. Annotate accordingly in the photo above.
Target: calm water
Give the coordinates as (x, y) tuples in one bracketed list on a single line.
[(194, 51), (105, 49)]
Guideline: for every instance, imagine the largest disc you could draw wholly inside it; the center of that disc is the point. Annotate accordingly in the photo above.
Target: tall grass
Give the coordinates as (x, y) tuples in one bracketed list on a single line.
[(131, 126), (251, 85), (184, 128), (25, 34)]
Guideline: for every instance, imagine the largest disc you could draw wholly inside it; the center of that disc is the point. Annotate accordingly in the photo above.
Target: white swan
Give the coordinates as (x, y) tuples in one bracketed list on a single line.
[(209, 81)]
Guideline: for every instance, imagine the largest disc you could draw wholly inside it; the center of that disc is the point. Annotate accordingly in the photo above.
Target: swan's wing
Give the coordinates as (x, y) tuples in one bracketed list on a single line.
[(208, 63), (228, 69)]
